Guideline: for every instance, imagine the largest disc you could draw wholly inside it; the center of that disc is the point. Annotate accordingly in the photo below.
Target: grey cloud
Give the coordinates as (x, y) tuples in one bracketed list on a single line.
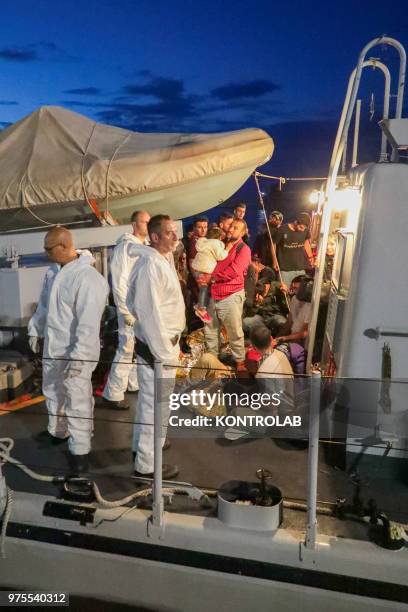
[(244, 89)]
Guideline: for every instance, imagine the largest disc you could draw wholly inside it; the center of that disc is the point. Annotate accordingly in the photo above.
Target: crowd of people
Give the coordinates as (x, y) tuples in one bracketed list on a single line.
[(234, 288), (256, 302)]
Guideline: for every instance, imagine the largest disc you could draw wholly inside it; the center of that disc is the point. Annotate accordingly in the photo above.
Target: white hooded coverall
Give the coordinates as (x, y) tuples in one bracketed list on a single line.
[(68, 317), (156, 301), (122, 376)]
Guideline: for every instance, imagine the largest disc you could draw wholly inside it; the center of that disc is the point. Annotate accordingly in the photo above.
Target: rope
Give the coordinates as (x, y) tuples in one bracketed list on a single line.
[(109, 167), (273, 250), (82, 174), (5, 449), (284, 179), (37, 217)]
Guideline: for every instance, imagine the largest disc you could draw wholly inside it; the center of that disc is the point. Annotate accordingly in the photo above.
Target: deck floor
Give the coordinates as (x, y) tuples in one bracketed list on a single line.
[(206, 462)]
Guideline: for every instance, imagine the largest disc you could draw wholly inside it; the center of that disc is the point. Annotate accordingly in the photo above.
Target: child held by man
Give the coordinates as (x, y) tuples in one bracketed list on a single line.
[(210, 250)]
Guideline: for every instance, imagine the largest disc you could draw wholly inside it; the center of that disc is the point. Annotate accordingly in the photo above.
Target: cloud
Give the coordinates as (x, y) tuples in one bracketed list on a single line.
[(159, 87), (84, 91), (18, 54), (244, 89), (157, 104), (39, 51)]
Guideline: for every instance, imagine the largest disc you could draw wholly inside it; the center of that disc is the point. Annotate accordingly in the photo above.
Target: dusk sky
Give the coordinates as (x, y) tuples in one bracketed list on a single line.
[(194, 66)]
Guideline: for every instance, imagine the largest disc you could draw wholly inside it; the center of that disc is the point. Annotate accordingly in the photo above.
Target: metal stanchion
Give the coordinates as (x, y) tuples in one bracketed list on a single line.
[(313, 458), (3, 493), (158, 504)]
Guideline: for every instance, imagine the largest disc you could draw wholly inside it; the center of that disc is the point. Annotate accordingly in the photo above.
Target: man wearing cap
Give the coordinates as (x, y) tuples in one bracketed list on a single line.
[(293, 251), (275, 219)]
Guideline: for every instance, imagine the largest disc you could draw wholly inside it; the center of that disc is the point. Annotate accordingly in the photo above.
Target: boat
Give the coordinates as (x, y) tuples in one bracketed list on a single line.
[(57, 166), (331, 537)]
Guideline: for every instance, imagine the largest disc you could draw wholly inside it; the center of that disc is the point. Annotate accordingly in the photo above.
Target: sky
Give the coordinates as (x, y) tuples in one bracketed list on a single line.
[(185, 66)]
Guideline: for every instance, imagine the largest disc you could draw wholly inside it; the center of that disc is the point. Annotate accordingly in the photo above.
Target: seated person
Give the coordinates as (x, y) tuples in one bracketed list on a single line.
[(274, 375), (269, 307), (209, 366), (257, 273), (300, 312)]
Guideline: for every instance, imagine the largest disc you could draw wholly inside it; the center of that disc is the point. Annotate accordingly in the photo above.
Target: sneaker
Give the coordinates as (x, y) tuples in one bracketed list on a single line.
[(202, 314), (168, 472), (111, 405)]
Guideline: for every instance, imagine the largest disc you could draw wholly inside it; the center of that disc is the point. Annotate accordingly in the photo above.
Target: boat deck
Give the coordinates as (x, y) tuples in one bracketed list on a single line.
[(204, 462)]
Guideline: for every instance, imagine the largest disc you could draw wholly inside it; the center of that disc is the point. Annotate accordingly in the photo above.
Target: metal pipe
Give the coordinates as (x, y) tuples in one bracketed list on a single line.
[(158, 503), (374, 63), (104, 252), (313, 460), (3, 493), (344, 158), (356, 132), (345, 118), (375, 333)]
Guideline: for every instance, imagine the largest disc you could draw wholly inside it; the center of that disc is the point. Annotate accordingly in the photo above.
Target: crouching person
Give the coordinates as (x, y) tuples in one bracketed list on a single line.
[(68, 318), (274, 378)]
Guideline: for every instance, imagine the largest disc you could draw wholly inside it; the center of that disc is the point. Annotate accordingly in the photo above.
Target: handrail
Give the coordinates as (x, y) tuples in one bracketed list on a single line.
[(338, 148), (343, 126)]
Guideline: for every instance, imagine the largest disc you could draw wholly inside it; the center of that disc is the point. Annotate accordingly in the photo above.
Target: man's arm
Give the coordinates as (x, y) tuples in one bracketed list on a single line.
[(90, 302), (36, 325), (237, 266), (276, 238), (308, 251), (120, 276), (294, 337)]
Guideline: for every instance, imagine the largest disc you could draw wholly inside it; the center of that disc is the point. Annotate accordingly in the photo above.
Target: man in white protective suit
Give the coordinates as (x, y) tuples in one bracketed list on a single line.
[(156, 301), (123, 376), (68, 318)]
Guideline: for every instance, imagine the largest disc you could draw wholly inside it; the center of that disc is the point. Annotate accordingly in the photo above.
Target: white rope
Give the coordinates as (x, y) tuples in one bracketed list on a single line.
[(269, 233), (120, 145), (284, 179), (6, 445), (37, 217)]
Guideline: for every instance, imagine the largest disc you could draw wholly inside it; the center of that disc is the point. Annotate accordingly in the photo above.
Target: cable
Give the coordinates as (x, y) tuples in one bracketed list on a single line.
[(284, 179)]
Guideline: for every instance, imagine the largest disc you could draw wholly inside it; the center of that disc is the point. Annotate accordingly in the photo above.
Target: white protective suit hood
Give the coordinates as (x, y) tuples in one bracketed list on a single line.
[(156, 301), (121, 265)]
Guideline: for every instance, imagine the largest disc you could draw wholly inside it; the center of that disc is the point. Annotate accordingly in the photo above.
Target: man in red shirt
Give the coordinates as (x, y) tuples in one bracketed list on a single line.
[(228, 295)]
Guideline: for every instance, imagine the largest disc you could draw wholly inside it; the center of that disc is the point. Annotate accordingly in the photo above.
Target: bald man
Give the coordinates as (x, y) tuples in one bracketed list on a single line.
[(68, 317)]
